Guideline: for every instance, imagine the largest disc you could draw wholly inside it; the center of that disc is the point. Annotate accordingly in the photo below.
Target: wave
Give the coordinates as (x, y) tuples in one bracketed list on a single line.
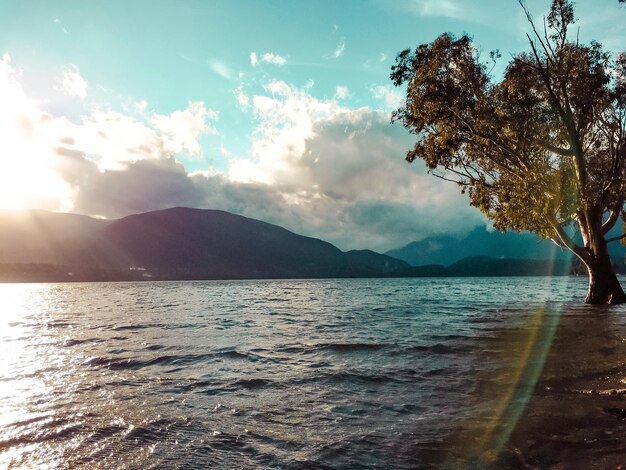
[(251, 383), (139, 326), (350, 347), (75, 342), (116, 363), (333, 347), (440, 348)]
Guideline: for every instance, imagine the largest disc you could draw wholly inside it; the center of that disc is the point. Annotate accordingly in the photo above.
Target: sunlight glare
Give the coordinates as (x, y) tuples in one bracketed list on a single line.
[(29, 173)]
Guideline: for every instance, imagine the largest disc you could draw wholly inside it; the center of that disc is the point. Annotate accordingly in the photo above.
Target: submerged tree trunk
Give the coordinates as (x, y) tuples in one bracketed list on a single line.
[(604, 288)]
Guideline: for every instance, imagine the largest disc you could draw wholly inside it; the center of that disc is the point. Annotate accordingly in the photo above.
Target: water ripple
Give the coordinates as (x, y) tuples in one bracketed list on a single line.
[(244, 374)]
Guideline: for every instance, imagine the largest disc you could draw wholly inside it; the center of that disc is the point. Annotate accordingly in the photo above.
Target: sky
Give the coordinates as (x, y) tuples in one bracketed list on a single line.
[(276, 109)]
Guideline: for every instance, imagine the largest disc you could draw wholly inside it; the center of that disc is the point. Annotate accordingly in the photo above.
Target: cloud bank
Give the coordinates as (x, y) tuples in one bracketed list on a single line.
[(315, 166)]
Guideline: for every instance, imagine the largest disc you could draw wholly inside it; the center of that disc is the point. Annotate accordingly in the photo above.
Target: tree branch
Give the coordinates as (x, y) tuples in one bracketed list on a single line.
[(442, 177), (554, 149), (527, 64), (567, 240), (570, 125), (613, 217), (557, 242), (546, 48), (503, 147)]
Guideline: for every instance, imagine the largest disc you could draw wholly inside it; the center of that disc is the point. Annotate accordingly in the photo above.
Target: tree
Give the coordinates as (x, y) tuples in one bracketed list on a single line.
[(543, 149)]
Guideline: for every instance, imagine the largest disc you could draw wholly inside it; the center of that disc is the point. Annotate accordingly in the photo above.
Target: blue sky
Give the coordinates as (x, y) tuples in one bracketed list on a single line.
[(277, 110)]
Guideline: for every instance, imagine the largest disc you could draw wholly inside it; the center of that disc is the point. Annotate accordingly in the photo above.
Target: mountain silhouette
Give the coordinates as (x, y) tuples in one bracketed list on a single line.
[(480, 242), (172, 244), (193, 244)]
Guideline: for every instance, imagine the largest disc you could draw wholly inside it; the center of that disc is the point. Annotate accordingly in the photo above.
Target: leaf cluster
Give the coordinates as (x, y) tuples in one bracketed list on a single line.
[(537, 150)]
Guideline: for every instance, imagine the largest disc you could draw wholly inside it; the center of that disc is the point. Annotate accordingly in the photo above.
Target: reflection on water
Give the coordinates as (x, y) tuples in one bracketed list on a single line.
[(577, 414), (397, 373), (22, 305), (47, 404), (551, 393)]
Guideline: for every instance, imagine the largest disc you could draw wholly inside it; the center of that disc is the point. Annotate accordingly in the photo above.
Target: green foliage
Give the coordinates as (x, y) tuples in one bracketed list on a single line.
[(540, 149)]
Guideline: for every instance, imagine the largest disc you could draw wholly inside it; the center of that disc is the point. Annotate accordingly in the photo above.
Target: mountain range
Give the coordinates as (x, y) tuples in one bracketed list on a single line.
[(481, 243), (446, 249), (177, 243), (184, 243)]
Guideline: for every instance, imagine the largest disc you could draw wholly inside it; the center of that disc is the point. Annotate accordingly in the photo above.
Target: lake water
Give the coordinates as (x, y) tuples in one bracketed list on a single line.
[(366, 373)]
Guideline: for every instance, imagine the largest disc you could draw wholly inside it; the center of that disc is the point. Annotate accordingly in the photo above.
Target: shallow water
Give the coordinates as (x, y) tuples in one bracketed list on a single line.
[(367, 373)]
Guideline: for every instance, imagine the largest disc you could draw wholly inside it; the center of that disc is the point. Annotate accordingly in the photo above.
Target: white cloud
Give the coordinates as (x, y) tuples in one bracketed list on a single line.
[(50, 162), (339, 50), (492, 13), (382, 57), (267, 58), (445, 8), (114, 139), (285, 122), (141, 106), (220, 68), (182, 128), (340, 171), (505, 17), (450, 8), (73, 84), (389, 97), (270, 58), (242, 98), (58, 22), (341, 92)]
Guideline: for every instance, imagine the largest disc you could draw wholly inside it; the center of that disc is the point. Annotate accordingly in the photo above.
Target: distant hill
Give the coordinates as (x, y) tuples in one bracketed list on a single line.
[(177, 243), (486, 267), (383, 263), (41, 236), (446, 250)]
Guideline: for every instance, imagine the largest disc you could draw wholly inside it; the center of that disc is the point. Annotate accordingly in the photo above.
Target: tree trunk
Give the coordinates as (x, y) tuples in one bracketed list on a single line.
[(604, 288)]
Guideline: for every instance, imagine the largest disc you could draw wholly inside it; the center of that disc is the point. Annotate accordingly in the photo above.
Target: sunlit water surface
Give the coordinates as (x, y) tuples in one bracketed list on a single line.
[(248, 374)]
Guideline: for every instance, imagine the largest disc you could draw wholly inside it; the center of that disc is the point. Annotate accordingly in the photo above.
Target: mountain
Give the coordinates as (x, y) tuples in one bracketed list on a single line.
[(41, 236), (177, 243), (383, 263), (446, 250), (183, 243)]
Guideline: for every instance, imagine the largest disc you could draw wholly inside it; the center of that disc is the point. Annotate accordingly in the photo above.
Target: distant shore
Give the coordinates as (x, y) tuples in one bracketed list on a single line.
[(476, 266)]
